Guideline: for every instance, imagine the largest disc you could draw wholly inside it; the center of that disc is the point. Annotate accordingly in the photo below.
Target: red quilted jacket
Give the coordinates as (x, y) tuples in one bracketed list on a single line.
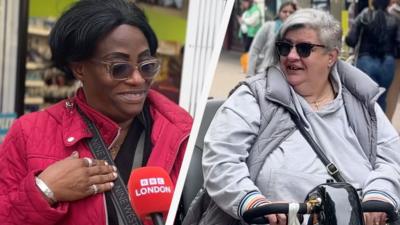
[(38, 139)]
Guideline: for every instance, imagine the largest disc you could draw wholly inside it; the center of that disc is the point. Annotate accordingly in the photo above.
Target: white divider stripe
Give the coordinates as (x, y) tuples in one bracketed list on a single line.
[(8, 54), (227, 7)]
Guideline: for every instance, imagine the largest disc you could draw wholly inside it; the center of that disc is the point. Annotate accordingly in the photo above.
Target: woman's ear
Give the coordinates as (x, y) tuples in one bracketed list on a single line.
[(78, 69), (333, 56)]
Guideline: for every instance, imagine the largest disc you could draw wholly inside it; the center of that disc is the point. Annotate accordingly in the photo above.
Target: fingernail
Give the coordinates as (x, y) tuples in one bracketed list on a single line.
[(111, 184), (106, 163), (75, 154), (114, 168), (115, 174)]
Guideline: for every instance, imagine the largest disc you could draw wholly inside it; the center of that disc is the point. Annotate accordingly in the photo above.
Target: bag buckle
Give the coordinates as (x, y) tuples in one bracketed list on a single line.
[(332, 169)]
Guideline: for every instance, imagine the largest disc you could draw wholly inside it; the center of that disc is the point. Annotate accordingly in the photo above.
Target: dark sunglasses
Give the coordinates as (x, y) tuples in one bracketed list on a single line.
[(303, 49), (123, 70)]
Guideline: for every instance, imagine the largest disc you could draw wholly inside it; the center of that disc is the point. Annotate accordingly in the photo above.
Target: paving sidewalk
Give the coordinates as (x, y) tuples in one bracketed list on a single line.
[(227, 75)]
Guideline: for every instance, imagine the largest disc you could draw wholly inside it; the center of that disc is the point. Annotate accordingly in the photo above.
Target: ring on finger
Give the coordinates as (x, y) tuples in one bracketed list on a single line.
[(94, 188), (89, 161)]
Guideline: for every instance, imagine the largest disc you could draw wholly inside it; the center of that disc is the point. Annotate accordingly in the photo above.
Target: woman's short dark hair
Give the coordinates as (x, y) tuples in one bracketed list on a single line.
[(381, 4), (76, 33), (294, 6), (376, 29), (283, 5), (249, 1)]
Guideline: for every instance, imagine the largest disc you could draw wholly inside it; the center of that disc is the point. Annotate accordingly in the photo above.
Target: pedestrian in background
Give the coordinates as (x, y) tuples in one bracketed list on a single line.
[(394, 90), (265, 39), (250, 22), (379, 34)]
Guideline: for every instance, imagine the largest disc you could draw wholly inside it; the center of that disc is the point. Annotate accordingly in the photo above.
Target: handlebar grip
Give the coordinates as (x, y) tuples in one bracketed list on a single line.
[(257, 215), (380, 206)]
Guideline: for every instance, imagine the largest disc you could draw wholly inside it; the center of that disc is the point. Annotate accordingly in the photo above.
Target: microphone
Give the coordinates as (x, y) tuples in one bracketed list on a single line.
[(151, 190)]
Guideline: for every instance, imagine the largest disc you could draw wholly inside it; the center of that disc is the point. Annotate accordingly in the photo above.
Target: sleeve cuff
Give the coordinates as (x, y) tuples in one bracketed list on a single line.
[(379, 195), (40, 204), (251, 200)]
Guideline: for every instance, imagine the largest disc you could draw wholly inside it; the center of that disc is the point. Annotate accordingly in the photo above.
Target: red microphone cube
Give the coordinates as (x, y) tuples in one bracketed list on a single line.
[(151, 190)]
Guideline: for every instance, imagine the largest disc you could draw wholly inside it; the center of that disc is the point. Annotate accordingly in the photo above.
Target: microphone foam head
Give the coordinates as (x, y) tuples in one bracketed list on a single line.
[(151, 190)]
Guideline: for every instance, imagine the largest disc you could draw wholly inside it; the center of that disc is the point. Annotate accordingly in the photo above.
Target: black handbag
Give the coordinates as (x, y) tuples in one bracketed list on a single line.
[(339, 201), (338, 204)]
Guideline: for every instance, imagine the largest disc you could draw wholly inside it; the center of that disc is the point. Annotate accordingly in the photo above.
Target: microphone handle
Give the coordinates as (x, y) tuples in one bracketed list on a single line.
[(157, 218)]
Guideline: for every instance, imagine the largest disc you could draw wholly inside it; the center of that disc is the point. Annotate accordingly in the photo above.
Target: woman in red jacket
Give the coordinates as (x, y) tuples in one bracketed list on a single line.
[(48, 172)]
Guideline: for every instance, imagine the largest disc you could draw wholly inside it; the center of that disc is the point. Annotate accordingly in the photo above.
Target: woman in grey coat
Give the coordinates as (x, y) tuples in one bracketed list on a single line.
[(254, 154)]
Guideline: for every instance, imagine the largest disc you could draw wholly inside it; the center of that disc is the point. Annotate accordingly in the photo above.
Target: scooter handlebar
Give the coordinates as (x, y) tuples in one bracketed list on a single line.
[(380, 206), (257, 215)]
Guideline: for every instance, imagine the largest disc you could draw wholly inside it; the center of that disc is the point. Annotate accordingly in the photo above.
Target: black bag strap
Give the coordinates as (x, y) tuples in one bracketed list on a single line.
[(330, 166), (119, 193)]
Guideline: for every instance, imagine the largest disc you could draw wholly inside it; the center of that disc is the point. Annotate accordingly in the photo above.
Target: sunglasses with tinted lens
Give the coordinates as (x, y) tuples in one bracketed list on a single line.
[(123, 70), (303, 49)]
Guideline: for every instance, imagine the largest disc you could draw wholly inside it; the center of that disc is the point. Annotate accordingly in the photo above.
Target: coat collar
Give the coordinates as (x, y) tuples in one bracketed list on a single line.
[(358, 83), (278, 89)]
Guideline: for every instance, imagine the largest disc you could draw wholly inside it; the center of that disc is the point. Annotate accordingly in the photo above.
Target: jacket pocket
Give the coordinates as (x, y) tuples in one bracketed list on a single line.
[(41, 162)]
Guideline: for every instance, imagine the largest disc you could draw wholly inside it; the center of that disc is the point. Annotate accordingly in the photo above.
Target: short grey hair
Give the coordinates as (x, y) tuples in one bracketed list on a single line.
[(327, 27)]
